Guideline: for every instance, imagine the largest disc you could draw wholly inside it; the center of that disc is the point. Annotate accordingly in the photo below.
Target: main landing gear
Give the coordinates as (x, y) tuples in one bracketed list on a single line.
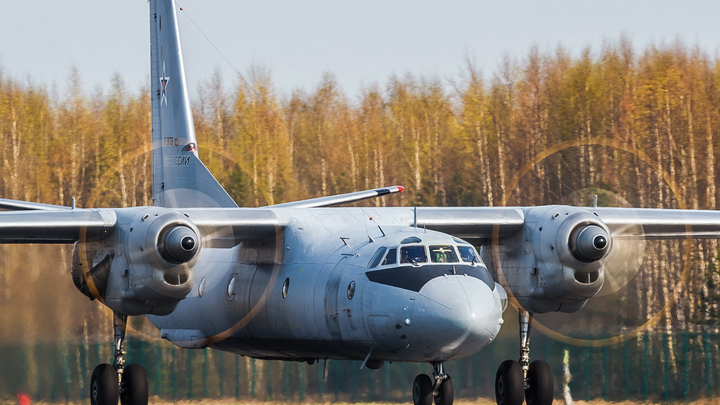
[(515, 380), (438, 389), (129, 383)]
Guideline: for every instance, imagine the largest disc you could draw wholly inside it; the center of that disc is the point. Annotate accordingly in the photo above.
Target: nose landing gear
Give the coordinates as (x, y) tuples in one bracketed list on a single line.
[(108, 383), (438, 389), (515, 380)]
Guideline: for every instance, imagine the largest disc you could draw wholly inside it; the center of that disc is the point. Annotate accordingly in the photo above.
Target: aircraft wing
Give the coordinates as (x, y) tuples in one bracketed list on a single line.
[(245, 223), (339, 199), (43, 223), (221, 226), (661, 223), (17, 205), (55, 226), (652, 223), (472, 222), (226, 227)]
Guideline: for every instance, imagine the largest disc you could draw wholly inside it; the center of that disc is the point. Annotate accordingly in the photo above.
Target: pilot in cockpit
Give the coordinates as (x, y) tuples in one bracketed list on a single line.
[(404, 258)]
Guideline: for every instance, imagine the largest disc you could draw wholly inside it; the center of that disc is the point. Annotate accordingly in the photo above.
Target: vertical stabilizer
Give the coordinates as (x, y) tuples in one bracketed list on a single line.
[(180, 179)]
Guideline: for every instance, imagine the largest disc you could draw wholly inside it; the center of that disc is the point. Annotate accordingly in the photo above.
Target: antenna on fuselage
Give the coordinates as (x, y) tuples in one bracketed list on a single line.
[(378, 225), (367, 231)]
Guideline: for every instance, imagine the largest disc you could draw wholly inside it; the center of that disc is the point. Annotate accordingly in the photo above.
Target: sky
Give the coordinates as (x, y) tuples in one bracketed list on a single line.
[(361, 42)]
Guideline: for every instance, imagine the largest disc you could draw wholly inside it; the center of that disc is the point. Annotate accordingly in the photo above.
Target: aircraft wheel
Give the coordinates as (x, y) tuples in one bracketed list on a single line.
[(446, 393), (509, 383), (540, 384), (422, 390), (134, 387), (104, 385)]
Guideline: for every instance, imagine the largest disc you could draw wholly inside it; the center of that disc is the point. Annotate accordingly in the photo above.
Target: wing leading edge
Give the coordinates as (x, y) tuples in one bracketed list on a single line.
[(18, 205), (662, 223), (56, 226), (339, 199), (655, 223)]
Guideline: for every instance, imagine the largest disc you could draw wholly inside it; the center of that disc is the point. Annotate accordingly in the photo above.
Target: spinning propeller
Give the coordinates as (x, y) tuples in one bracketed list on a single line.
[(620, 253)]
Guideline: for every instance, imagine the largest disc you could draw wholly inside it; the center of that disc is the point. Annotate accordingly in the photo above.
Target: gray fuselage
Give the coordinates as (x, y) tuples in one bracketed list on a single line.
[(316, 291)]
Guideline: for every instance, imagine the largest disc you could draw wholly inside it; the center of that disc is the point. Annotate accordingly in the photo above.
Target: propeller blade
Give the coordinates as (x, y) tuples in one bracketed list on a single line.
[(623, 261)]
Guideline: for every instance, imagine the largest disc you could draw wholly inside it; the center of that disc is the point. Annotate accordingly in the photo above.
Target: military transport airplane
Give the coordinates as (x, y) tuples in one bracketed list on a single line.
[(308, 281)]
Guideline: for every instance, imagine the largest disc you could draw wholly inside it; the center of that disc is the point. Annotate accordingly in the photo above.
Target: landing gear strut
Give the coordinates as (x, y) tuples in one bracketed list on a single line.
[(534, 380), (129, 383), (438, 389)]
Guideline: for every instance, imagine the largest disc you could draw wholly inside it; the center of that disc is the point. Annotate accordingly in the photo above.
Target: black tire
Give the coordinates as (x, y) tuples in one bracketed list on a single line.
[(540, 384), (104, 385), (446, 393), (509, 383), (422, 390), (134, 387)]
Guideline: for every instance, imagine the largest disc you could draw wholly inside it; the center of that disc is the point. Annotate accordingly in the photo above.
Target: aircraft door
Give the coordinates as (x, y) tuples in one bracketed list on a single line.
[(331, 299)]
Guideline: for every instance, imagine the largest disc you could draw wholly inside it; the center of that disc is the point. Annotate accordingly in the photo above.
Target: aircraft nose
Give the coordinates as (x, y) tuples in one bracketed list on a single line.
[(457, 315)]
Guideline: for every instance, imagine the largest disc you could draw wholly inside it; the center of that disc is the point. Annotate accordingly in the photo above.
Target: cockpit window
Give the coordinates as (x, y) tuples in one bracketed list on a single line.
[(391, 257), (443, 254), (413, 254), (467, 254), (377, 257)]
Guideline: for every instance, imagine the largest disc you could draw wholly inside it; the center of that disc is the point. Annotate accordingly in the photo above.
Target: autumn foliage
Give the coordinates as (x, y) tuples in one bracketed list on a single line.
[(638, 129)]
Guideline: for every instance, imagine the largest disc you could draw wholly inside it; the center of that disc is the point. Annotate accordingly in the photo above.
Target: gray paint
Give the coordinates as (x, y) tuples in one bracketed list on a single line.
[(179, 178), (320, 251)]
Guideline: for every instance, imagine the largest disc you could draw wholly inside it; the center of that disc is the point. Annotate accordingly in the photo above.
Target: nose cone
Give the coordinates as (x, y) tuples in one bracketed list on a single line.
[(456, 315)]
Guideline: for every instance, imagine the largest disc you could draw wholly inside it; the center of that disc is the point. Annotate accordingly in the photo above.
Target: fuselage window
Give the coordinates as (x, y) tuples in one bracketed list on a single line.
[(231, 288), (391, 257), (201, 288), (377, 257), (467, 254), (285, 287), (443, 254), (413, 254)]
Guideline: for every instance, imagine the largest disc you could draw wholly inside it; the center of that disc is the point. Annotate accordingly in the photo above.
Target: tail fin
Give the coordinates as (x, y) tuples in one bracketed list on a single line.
[(180, 179)]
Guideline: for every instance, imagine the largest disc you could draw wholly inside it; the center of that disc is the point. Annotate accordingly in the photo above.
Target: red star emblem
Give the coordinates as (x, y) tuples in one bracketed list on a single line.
[(163, 86)]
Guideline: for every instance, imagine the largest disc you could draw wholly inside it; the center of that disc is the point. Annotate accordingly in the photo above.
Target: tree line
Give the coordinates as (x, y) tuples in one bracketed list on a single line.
[(637, 128)]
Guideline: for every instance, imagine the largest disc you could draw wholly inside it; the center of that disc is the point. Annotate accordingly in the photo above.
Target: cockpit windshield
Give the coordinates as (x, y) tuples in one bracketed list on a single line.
[(391, 257), (416, 254), (377, 257), (443, 254), (467, 254), (413, 254)]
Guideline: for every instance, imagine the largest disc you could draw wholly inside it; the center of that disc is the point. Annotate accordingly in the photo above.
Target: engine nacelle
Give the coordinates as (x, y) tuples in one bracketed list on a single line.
[(555, 263), (145, 267)]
